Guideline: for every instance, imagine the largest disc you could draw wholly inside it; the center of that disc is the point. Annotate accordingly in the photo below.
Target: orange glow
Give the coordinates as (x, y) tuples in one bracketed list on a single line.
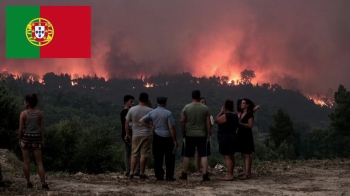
[(148, 85), (321, 100)]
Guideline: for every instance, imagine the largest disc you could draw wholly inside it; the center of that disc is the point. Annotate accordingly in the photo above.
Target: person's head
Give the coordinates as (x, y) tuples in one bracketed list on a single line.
[(229, 105), (203, 101), (129, 101), (196, 95), (31, 101), (143, 98), (239, 108), (162, 101), (247, 104)]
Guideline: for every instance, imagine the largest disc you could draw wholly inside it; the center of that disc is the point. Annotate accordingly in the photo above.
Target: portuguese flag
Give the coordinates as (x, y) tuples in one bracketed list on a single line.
[(48, 31)]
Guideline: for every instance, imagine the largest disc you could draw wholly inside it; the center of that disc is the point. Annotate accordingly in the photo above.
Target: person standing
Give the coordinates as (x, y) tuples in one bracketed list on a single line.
[(227, 122), (128, 103), (195, 127), (245, 136), (197, 159), (164, 139), (141, 145), (30, 138)]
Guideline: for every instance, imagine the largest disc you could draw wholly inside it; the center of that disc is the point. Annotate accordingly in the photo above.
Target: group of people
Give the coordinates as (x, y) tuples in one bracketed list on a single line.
[(147, 131)]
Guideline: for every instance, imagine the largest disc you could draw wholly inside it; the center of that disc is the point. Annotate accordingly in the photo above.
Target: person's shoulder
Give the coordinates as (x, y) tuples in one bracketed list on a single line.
[(124, 111)]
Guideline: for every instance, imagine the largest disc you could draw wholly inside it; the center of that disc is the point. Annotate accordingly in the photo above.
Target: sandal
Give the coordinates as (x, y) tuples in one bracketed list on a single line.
[(244, 177)]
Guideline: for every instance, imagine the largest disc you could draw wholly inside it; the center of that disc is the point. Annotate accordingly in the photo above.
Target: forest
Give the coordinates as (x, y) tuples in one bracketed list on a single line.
[(83, 130)]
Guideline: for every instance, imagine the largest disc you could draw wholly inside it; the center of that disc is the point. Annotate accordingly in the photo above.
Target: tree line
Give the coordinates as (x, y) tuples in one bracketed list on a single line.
[(83, 128)]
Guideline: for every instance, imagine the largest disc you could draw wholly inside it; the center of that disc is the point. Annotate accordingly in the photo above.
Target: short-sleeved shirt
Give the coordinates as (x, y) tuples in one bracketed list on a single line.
[(162, 119), (135, 114), (196, 119)]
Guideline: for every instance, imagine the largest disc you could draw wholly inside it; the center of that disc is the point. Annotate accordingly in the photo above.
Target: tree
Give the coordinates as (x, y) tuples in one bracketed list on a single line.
[(282, 128), (340, 118), (9, 118), (247, 76)]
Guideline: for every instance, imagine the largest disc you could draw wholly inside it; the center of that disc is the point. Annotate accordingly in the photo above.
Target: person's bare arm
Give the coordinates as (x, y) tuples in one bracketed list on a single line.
[(250, 123), (183, 122), (127, 130), (208, 127), (256, 108), (146, 124), (218, 118), (21, 122)]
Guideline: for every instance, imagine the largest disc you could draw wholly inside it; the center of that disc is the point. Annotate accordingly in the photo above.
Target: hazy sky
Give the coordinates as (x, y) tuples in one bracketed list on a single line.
[(298, 44)]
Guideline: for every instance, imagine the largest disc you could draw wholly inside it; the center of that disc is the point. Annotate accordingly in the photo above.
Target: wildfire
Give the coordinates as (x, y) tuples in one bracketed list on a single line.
[(321, 100), (74, 83), (148, 85)]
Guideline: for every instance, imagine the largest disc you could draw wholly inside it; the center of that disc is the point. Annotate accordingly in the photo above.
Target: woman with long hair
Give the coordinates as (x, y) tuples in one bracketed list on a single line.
[(30, 136), (227, 121), (245, 135)]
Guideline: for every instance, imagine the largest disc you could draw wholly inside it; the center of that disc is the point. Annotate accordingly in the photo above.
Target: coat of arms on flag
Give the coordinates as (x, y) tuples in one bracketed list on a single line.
[(39, 32)]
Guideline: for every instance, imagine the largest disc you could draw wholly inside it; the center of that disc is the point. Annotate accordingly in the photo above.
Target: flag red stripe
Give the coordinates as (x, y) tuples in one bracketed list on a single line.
[(72, 31)]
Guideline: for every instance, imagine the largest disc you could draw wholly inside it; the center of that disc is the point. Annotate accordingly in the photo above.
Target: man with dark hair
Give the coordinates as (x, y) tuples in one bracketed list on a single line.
[(141, 145), (195, 127), (128, 103), (164, 139)]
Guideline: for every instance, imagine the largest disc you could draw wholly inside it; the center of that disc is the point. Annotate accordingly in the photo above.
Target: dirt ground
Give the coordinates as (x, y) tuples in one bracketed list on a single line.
[(314, 177)]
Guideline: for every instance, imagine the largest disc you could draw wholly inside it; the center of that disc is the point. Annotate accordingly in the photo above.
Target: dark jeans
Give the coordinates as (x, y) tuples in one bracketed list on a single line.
[(163, 146)]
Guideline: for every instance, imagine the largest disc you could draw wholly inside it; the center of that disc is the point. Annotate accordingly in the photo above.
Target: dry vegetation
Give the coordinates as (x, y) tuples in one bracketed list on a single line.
[(314, 177)]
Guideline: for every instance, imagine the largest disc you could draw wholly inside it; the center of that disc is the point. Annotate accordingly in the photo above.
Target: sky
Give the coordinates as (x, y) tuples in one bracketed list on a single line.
[(300, 45)]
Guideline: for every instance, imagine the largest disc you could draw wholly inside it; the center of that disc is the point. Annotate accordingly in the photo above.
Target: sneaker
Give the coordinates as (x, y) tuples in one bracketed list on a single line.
[(183, 176), (206, 177), (131, 176), (143, 177), (170, 179), (45, 186), (29, 185)]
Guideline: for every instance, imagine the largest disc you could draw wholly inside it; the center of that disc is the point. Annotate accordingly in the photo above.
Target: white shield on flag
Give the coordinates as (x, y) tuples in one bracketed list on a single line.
[(39, 31)]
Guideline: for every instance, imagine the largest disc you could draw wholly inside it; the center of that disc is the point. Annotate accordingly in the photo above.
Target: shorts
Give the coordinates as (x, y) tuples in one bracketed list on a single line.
[(31, 141), (190, 145), (141, 146)]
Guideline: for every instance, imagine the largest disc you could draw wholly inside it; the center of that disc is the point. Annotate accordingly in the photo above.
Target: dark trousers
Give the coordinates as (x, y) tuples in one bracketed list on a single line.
[(163, 146)]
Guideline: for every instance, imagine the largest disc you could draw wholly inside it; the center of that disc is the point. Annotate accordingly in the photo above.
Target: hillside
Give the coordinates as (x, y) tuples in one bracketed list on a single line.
[(315, 178), (98, 97)]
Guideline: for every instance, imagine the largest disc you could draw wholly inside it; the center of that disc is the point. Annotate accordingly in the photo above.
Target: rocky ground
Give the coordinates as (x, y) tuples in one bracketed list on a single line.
[(314, 177)]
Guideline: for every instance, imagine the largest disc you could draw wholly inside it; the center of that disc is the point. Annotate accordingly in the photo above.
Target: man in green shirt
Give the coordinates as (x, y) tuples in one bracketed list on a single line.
[(195, 127)]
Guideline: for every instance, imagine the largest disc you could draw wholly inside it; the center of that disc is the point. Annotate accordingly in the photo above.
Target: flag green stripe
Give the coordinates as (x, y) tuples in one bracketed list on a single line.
[(17, 44)]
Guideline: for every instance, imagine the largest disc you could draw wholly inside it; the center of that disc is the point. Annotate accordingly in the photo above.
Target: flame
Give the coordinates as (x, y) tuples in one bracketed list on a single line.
[(148, 85), (321, 100), (74, 83)]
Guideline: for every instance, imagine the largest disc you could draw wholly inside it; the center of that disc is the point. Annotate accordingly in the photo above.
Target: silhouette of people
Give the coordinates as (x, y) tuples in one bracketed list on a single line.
[(195, 127), (128, 103), (164, 139), (30, 136), (141, 144), (227, 122)]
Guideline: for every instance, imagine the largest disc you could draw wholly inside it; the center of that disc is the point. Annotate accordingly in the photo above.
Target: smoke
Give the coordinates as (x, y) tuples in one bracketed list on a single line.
[(301, 45)]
